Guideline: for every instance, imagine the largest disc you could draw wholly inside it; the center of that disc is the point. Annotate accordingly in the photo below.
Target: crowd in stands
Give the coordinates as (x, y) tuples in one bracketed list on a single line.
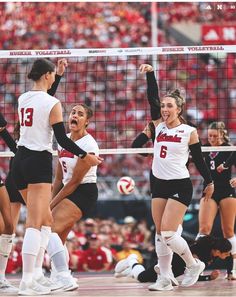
[(97, 244), (112, 86), (197, 12)]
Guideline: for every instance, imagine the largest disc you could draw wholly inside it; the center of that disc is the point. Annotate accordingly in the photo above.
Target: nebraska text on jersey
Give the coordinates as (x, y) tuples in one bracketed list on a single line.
[(171, 138)]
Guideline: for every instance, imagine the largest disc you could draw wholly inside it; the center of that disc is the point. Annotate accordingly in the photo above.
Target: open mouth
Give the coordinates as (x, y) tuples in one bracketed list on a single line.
[(73, 122), (165, 117)]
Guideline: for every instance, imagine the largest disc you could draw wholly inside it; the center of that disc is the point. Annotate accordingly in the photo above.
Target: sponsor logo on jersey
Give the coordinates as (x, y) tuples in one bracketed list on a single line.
[(169, 138), (213, 154)]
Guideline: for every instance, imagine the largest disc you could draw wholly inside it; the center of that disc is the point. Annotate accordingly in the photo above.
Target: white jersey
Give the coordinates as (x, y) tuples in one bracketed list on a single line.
[(68, 160), (34, 108), (171, 151)]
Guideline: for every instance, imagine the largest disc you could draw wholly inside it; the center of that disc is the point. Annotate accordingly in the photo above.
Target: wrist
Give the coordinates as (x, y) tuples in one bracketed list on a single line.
[(210, 184), (82, 156)]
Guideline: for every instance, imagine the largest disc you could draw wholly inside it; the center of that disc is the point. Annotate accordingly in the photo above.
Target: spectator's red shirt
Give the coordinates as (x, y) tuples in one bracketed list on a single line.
[(80, 255), (94, 259)]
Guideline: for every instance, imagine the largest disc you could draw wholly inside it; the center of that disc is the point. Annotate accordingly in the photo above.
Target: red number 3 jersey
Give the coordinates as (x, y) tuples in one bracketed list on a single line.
[(171, 151)]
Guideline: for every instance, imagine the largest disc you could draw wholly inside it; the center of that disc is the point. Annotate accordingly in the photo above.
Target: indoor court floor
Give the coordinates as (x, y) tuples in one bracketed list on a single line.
[(106, 285)]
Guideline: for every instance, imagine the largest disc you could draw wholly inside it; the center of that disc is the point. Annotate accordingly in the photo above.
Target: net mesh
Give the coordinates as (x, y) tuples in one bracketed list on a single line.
[(114, 88)]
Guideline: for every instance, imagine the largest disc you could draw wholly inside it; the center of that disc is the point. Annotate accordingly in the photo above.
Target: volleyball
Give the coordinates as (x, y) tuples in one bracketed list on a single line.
[(125, 185)]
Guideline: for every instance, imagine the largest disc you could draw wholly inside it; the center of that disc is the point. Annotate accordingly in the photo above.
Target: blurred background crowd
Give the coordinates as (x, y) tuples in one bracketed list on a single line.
[(117, 92)]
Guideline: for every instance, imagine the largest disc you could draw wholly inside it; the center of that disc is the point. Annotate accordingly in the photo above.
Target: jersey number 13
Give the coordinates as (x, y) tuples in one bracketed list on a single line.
[(27, 116)]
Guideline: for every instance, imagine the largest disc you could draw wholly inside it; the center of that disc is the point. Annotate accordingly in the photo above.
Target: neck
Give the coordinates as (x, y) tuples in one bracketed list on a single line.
[(77, 135), (39, 86), (173, 124)]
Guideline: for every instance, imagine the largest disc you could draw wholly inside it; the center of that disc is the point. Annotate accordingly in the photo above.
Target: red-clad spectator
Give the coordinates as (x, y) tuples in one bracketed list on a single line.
[(94, 258)]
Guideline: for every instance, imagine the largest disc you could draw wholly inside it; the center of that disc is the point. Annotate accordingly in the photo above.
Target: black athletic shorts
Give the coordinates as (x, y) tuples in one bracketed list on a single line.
[(31, 167), (85, 197), (221, 192), (178, 189), (13, 193)]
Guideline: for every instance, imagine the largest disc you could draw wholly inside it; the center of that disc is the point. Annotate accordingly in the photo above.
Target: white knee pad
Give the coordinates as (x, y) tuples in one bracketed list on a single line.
[(160, 246), (31, 243), (55, 245), (232, 240), (45, 235), (174, 241), (6, 242)]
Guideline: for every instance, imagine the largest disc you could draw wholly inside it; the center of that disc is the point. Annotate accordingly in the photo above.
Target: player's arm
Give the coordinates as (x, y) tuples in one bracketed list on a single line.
[(61, 67), (152, 91), (144, 137), (228, 163), (57, 183), (208, 277), (81, 168), (10, 142), (57, 124), (197, 157)]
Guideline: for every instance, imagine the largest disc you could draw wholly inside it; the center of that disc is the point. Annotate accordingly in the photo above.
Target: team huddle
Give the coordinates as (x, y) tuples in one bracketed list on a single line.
[(54, 206)]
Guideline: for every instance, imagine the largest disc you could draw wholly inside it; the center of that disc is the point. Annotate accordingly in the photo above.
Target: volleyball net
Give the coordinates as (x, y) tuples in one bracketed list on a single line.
[(109, 81)]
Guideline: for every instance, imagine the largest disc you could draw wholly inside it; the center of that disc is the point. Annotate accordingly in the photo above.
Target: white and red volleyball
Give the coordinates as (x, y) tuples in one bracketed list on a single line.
[(125, 185)]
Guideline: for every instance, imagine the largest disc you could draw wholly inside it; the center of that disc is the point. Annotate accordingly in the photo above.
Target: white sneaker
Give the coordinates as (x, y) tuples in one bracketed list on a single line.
[(162, 284), (126, 272), (32, 288), (7, 287), (192, 273), (233, 272), (46, 282), (121, 265), (131, 259), (170, 275), (68, 282)]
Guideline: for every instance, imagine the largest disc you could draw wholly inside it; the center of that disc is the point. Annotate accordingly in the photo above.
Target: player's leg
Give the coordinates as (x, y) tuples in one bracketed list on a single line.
[(206, 216), (227, 208)]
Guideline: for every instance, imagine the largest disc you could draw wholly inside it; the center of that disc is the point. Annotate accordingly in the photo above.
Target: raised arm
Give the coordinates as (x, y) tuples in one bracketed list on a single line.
[(61, 67), (152, 91)]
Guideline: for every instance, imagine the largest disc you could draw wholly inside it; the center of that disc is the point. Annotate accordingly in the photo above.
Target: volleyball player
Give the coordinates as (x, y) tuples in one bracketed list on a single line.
[(14, 195), (39, 113), (207, 249), (6, 225), (149, 132), (223, 198), (172, 189), (74, 189), (10, 192)]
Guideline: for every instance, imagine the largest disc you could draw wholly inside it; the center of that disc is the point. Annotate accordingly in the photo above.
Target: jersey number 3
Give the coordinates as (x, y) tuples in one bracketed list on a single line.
[(163, 151), (27, 117)]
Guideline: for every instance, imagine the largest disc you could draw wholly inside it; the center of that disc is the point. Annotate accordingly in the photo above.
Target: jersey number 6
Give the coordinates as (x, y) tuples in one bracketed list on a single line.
[(163, 151)]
